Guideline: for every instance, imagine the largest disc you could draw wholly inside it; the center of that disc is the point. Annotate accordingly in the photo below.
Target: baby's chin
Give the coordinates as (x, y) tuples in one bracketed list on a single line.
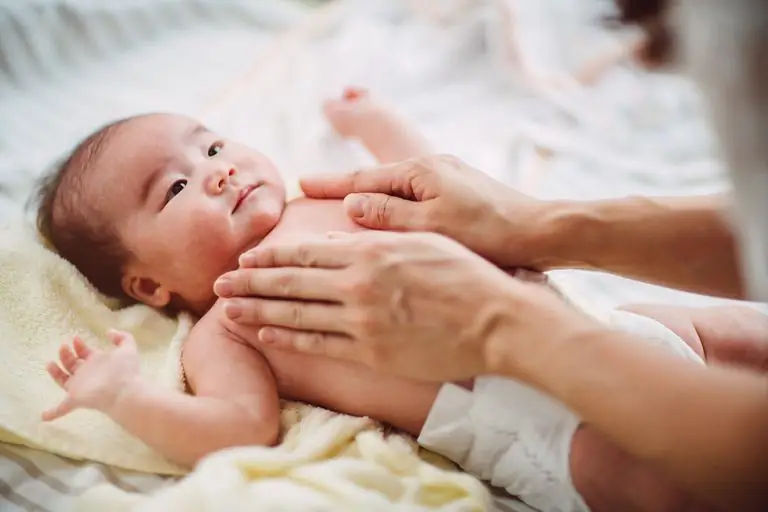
[(265, 216)]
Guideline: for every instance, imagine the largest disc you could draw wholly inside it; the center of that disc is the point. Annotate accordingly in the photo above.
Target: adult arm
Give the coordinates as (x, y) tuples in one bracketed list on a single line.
[(684, 243)]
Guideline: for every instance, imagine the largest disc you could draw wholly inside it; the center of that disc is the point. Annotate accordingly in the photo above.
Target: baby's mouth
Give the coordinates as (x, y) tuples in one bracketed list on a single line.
[(243, 195)]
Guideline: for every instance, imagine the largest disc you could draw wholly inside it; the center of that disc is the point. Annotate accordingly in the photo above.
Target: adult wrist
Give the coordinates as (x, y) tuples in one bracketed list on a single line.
[(536, 235), (565, 234), (533, 328)]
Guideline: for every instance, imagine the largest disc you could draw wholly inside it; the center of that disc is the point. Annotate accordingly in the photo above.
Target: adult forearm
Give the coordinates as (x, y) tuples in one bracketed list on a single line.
[(684, 243), (185, 428), (707, 428)]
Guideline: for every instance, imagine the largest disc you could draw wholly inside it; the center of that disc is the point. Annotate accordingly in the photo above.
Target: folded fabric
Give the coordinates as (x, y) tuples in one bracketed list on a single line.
[(327, 461)]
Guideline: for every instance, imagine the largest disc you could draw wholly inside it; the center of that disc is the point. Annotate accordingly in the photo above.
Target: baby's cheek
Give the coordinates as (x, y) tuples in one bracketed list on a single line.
[(209, 240)]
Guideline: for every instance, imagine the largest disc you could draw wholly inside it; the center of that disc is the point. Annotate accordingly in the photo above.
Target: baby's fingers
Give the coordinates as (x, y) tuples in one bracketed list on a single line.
[(68, 359), (65, 407), (57, 374), (82, 350)]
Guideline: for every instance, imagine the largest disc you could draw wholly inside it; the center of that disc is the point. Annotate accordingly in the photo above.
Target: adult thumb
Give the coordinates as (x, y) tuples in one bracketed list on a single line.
[(381, 211)]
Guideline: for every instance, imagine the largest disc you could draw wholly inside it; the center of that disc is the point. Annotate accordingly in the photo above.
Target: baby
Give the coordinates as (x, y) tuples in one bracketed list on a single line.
[(154, 209)]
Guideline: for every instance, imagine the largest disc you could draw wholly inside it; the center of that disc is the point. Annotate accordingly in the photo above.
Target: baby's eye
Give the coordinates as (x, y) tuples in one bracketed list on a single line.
[(215, 148), (175, 189)]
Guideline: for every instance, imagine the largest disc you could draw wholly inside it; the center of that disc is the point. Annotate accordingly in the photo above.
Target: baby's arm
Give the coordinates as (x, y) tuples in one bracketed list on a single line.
[(386, 135), (235, 402)]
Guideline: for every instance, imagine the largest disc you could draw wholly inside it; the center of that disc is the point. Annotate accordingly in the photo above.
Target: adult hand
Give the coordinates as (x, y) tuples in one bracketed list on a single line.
[(419, 305), (444, 195)]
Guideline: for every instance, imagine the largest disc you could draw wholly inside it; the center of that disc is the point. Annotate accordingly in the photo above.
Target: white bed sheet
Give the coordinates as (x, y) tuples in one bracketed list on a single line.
[(631, 134)]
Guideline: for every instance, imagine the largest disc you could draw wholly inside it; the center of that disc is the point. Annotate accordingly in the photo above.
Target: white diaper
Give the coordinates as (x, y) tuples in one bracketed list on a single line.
[(518, 438)]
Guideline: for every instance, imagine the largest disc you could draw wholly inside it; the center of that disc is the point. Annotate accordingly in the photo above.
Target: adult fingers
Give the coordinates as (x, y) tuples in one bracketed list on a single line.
[(336, 346), (306, 316), (283, 282), (65, 407), (320, 252), (392, 179), (381, 211)]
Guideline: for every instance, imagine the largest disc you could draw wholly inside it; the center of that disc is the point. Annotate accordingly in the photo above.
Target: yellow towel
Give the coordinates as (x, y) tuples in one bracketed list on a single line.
[(44, 301)]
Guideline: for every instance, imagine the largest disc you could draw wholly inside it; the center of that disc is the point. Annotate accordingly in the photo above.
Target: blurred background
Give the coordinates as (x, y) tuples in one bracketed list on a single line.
[(492, 81)]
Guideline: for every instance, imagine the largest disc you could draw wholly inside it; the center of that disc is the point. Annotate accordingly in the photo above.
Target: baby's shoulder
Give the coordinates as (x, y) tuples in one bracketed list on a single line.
[(209, 339), (215, 327)]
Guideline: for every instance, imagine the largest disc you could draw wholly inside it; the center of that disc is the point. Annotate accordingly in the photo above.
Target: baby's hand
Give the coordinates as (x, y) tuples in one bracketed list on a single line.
[(93, 379)]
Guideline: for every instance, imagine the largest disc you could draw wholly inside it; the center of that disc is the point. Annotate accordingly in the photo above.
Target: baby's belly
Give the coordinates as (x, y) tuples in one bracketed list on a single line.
[(336, 385)]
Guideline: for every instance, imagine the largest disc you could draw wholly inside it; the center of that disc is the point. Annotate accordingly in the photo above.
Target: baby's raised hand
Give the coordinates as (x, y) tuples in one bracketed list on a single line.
[(352, 113), (93, 379)]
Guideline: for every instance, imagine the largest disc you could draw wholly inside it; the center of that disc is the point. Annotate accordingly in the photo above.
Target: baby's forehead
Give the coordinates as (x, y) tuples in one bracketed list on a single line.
[(138, 148), (144, 143)]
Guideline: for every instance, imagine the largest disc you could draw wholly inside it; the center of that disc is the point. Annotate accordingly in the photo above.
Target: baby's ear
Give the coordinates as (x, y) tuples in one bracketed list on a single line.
[(146, 290)]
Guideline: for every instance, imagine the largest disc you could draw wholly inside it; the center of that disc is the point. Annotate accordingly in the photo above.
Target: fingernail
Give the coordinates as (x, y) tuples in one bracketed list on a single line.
[(233, 310), (223, 287), (355, 205), (267, 335)]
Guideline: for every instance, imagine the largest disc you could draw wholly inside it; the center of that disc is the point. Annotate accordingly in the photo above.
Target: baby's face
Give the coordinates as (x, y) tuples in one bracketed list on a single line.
[(187, 203)]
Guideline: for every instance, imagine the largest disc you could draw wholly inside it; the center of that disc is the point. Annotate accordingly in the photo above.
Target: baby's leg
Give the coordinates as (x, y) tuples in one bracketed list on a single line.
[(386, 135), (609, 479), (735, 335)]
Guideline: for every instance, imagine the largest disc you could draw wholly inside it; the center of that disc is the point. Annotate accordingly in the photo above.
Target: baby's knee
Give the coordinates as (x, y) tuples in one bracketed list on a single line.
[(678, 319)]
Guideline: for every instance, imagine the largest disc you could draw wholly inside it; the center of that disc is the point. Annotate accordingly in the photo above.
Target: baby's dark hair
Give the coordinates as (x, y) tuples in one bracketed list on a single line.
[(73, 225)]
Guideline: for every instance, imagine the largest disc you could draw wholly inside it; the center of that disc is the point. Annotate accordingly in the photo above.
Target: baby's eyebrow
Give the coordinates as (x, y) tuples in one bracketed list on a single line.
[(197, 130), (149, 183)]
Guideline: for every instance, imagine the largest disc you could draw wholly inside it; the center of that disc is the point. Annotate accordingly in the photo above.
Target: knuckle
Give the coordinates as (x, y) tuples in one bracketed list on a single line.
[(253, 312), (371, 251), (304, 256), (285, 283), (381, 211), (296, 316), (250, 284), (359, 288), (364, 323)]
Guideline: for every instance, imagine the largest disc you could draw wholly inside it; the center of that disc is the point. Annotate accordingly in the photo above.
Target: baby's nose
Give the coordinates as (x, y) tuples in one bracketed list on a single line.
[(219, 179)]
